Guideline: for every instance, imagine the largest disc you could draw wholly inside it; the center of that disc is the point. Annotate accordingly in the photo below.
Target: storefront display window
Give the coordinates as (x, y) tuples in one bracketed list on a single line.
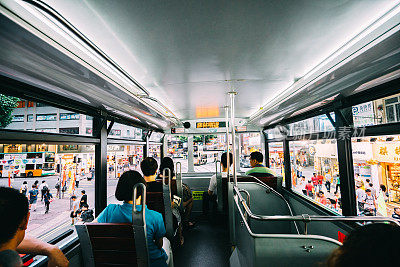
[(377, 168), (315, 171)]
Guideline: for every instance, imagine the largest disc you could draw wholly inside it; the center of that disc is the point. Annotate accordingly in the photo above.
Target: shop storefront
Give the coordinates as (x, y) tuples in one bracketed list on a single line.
[(325, 159), (387, 158)]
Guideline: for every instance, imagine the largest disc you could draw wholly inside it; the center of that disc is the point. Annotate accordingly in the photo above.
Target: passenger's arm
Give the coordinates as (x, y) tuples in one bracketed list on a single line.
[(35, 246), (210, 192)]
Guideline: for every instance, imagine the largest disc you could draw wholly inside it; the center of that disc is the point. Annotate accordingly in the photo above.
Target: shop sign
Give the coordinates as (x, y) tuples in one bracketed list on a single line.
[(363, 114), (362, 150), (115, 148), (67, 157), (46, 117), (69, 116), (387, 152), (326, 150)]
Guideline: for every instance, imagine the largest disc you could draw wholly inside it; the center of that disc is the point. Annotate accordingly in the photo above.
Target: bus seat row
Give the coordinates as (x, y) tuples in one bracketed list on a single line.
[(270, 243)]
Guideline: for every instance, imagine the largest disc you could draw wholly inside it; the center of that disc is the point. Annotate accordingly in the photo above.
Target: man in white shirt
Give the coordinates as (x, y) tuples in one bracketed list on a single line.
[(43, 188), (211, 194), (360, 197)]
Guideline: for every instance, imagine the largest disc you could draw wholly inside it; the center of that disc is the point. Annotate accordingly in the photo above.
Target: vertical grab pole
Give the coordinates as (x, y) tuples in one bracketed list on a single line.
[(227, 140), (232, 95), (179, 189)]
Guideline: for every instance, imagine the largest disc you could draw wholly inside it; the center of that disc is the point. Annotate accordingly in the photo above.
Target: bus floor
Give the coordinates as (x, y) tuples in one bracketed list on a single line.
[(207, 244)]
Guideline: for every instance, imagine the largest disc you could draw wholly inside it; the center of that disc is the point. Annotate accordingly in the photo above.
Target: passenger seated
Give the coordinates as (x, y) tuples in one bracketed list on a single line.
[(370, 245), (211, 194), (149, 168), (14, 211), (158, 246), (168, 163), (258, 170)]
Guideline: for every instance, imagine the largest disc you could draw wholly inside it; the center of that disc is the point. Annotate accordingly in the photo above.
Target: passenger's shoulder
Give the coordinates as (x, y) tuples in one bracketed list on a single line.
[(154, 214)]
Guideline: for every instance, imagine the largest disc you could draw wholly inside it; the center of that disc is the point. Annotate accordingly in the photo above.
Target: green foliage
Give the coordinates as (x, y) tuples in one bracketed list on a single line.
[(7, 106), (183, 139)]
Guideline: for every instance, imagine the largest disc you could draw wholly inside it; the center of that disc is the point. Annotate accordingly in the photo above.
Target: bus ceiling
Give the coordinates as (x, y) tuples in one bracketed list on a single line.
[(159, 66)]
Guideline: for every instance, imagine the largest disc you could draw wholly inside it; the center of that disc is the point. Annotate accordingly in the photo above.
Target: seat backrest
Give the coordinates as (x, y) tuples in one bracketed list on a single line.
[(266, 178), (161, 202), (109, 244)]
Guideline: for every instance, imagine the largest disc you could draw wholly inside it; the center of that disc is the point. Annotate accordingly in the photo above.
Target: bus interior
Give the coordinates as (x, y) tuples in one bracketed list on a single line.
[(100, 85)]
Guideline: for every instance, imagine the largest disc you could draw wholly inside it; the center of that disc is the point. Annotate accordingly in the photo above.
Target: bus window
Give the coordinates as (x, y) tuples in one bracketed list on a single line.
[(315, 171), (30, 167), (49, 157), (38, 166), (376, 163), (376, 112), (178, 150), (207, 149), (121, 158), (276, 157), (248, 142)]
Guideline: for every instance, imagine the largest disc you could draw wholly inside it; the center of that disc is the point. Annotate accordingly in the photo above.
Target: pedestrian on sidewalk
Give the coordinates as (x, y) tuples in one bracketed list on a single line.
[(77, 180), (43, 188), (33, 195), (24, 188), (58, 187), (83, 200), (48, 197), (75, 209)]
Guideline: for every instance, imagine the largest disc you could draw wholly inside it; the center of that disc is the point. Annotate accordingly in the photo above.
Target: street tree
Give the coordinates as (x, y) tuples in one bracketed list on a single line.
[(7, 106)]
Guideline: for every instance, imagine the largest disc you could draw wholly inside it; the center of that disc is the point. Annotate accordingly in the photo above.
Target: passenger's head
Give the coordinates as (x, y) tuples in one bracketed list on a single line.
[(84, 207), (167, 163), (224, 160), (126, 182), (14, 211), (256, 158), (370, 245), (383, 187), (149, 166), (43, 181)]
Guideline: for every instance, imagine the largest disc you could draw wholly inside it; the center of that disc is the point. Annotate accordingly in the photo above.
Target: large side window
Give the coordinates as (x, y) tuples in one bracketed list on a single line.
[(376, 162), (315, 171), (65, 169)]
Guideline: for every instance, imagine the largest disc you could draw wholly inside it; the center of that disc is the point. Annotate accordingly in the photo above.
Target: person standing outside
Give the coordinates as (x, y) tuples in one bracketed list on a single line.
[(314, 180), (370, 203), (24, 188), (75, 208), (43, 187), (33, 195), (360, 197), (83, 200), (47, 199)]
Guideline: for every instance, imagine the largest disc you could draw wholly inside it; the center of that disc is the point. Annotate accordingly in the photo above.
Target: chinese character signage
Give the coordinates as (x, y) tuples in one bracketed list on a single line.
[(210, 124), (363, 114)]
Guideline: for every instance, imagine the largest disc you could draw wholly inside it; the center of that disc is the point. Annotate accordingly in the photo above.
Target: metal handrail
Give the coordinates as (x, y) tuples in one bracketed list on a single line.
[(248, 199), (287, 236), (309, 218), (278, 194)]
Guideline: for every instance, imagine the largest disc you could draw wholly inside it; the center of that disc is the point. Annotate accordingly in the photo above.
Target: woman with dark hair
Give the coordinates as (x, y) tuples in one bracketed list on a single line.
[(370, 245), (158, 245), (168, 163)]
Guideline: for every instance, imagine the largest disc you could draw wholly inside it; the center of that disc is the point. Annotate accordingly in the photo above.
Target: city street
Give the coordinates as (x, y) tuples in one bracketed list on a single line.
[(46, 225)]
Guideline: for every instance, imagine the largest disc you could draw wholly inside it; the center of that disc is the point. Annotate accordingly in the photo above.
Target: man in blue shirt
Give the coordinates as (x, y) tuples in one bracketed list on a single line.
[(33, 195), (117, 213)]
